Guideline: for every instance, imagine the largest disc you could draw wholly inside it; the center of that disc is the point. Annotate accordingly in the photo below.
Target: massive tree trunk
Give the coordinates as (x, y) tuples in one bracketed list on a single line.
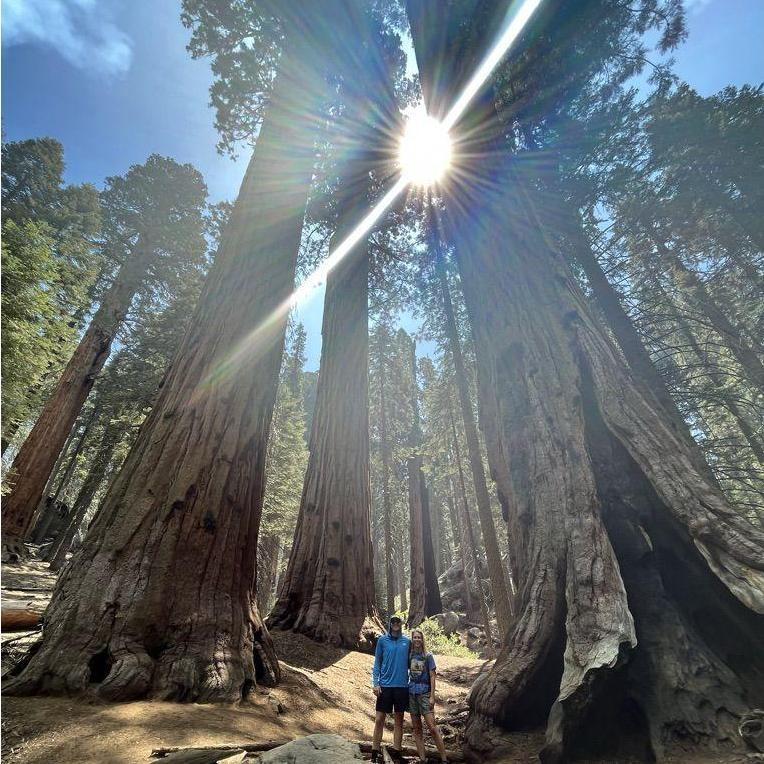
[(496, 572), (642, 367), (328, 589), (160, 600), (37, 455), (638, 584)]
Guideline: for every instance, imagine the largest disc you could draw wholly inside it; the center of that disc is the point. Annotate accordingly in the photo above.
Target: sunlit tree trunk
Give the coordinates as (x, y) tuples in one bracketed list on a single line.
[(160, 600), (328, 589)]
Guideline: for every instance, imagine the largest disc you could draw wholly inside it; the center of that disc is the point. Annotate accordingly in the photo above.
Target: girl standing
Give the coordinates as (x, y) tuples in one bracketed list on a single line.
[(422, 695)]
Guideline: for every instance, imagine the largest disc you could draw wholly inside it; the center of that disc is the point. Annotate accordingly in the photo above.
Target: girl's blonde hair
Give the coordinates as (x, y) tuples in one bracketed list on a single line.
[(424, 644)]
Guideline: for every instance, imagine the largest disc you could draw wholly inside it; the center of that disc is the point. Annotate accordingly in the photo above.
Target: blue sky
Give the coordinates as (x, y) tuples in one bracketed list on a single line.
[(111, 79)]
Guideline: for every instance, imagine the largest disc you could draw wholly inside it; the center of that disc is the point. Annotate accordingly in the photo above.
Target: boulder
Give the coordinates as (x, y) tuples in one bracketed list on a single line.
[(314, 749), (448, 621)]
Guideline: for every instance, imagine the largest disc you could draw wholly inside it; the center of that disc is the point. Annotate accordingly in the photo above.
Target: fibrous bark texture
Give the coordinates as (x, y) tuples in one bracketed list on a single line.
[(160, 600), (638, 586), (328, 589)]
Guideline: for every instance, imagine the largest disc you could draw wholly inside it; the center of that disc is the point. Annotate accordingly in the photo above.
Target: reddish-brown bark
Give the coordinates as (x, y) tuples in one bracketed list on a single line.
[(328, 589), (160, 600)]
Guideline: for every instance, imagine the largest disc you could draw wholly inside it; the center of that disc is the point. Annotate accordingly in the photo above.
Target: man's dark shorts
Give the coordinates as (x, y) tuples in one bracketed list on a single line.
[(393, 699)]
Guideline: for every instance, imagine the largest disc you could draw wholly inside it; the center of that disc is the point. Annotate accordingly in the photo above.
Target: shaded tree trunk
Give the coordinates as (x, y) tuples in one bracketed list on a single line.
[(496, 573), (160, 600), (581, 652), (462, 542), (52, 479), (471, 540), (629, 341), (328, 589), (91, 484), (37, 456), (425, 593), (417, 592)]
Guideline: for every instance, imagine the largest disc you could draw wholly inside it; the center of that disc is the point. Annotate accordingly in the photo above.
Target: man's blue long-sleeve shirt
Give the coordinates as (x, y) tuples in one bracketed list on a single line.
[(391, 662)]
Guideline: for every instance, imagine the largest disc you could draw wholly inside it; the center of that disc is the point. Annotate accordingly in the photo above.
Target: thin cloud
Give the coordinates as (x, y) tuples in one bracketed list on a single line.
[(696, 5), (79, 30)]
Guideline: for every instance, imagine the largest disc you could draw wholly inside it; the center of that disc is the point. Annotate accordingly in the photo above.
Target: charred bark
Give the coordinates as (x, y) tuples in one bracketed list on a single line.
[(160, 600)]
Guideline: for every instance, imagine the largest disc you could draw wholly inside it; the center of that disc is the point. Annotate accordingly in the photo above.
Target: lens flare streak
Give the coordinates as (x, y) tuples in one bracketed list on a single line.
[(260, 335)]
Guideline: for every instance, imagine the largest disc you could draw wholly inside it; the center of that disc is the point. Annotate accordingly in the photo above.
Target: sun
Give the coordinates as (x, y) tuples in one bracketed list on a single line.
[(425, 149)]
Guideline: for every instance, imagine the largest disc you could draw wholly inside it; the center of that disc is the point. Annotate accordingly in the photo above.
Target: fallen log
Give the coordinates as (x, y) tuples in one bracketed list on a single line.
[(267, 745), (19, 620)]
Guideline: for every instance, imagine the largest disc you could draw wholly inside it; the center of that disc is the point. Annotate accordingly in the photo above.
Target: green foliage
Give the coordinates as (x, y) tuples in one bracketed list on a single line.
[(287, 450), (49, 267), (437, 641)]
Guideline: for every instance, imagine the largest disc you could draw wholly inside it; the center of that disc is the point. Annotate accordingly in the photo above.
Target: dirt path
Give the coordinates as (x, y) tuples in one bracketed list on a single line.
[(324, 689)]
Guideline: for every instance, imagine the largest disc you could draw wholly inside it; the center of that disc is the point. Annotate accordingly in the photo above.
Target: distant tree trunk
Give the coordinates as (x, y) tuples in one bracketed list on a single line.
[(328, 589), (639, 585), (402, 570), (461, 542), (726, 399), (267, 566), (38, 453), (91, 484), (63, 483), (749, 357), (386, 508), (629, 341), (51, 482), (160, 599), (424, 594), (416, 545), (496, 573), (471, 540)]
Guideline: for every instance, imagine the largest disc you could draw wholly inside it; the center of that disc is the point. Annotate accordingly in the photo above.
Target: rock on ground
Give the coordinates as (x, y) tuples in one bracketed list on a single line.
[(314, 749)]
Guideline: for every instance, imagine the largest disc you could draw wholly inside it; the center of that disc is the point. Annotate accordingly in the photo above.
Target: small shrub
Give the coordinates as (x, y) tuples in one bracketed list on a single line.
[(443, 644)]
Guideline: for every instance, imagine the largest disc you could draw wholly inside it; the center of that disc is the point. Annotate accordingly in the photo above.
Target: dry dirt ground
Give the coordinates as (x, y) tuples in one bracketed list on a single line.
[(324, 689)]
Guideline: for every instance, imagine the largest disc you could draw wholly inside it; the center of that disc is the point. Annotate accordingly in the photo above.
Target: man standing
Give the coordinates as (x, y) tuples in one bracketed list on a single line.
[(390, 678)]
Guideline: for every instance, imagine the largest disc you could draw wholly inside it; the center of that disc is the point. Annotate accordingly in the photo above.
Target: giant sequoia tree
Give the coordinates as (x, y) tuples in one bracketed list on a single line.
[(640, 590), (160, 600), (152, 223)]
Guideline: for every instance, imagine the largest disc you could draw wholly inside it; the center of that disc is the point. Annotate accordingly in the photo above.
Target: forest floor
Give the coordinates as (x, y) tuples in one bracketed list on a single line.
[(324, 689)]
